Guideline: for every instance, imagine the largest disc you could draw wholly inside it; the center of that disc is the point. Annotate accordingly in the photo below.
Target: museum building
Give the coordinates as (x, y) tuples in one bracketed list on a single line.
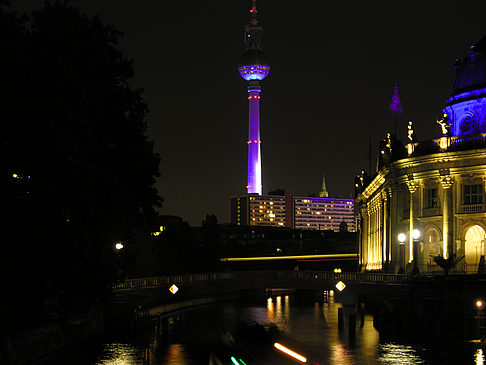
[(428, 198)]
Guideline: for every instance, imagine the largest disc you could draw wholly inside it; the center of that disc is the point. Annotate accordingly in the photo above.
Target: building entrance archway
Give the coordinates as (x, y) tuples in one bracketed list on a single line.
[(474, 247)]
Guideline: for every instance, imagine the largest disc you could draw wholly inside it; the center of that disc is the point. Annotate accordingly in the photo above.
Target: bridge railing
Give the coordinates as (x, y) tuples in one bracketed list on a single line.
[(154, 282), (275, 275)]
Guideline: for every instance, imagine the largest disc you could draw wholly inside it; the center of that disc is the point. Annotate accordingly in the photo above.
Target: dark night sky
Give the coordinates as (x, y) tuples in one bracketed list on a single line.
[(333, 71)]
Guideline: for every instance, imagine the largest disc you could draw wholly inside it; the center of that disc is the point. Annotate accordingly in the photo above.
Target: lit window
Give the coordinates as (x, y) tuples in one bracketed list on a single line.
[(473, 194), (431, 199)]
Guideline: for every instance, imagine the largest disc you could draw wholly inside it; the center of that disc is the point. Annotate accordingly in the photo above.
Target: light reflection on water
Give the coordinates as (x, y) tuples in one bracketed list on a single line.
[(392, 353), (479, 357), (119, 354), (313, 328)]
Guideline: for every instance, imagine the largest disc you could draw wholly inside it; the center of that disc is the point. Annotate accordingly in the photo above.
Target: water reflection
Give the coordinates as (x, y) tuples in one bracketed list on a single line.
[(311, 329), (393, 353), (340, 355), (479, 357), (119, 354)]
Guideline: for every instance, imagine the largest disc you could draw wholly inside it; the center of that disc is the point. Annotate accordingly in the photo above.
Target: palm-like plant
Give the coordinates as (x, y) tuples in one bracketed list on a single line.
[(447, 263)]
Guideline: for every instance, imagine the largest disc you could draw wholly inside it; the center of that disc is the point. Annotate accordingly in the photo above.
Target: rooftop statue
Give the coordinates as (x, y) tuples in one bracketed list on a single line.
[(445, 123), (411, 133)]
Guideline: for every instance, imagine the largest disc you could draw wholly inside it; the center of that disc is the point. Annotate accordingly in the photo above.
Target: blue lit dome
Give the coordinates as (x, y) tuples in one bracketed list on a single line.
[(471, 72), (466, 108), (253, 65)]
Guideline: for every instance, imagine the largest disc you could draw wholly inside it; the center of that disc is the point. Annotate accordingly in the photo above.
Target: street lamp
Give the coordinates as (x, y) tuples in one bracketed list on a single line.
[(402, 237), (119, 250), (479, 305), (416, 237)]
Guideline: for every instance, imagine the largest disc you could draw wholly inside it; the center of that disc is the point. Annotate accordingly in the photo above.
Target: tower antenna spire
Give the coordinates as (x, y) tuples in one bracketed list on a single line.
[(253, 12)]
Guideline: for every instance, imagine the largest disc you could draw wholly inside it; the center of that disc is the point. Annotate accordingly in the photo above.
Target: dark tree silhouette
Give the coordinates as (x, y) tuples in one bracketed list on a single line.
[(447, 263), (77, 170)]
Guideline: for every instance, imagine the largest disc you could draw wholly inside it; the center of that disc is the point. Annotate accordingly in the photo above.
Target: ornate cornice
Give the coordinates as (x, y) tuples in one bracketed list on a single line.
[(412, 184), (446, 181)]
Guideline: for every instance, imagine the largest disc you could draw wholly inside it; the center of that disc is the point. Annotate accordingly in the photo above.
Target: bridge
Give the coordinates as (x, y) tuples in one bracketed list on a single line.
[(263, 279), (431, 305)]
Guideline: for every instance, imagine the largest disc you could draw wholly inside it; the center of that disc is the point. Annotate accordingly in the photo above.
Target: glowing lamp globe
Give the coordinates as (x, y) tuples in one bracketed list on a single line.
[(254, 72)]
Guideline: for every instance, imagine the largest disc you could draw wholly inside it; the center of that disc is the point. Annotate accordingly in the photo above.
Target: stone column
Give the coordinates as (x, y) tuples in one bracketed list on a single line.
[(394, 249), (364, 237), (385, 231), (412, 187), (447, 215)]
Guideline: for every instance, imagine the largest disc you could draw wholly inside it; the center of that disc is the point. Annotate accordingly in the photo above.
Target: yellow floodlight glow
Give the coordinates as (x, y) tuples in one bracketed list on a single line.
[(479, 303), (289, 352), (173, 289), (340, 286), (296, 257)]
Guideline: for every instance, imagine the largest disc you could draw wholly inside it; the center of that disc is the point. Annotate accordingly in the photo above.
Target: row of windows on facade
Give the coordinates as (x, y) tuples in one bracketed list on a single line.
[(347, 206), (334, 213), (320, 201), (472, 194)]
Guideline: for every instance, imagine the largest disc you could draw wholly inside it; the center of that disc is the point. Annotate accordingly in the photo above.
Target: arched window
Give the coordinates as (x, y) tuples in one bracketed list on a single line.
[(432, 247), (474, 247)]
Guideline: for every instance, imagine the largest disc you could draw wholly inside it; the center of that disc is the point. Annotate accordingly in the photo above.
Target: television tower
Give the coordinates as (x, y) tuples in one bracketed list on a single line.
[(254, 68)]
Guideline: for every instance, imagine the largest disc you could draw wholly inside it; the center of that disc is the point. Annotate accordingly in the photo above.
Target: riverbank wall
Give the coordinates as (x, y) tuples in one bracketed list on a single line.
[(60, 332), (435, 308)]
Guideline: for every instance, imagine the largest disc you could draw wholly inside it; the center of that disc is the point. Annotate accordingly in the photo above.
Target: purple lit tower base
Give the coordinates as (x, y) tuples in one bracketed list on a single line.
[(253, 74)]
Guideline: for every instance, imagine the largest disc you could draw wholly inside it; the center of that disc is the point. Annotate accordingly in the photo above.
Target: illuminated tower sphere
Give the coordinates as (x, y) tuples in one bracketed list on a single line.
[(254, 68), (466, 108)]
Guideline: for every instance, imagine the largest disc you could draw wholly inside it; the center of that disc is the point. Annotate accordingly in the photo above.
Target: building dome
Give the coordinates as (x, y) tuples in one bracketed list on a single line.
[(471, 72), (253, 65), (466, 108)]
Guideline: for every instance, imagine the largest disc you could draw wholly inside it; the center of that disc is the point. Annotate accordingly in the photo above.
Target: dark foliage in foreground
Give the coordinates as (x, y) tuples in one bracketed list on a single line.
[(77, 171), (447, 263)]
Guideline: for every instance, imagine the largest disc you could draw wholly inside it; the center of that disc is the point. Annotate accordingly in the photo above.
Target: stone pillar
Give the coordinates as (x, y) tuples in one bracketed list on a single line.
[(364, 237), (412, 187), (394, 249), (385, 231), (447, 215)]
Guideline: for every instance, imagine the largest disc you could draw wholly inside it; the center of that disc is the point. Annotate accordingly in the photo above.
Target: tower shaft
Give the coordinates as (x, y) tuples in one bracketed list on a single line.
[(254, 181)]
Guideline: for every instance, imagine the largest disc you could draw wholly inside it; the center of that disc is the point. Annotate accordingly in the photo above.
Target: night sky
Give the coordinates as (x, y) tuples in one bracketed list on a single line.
[(333, 69)]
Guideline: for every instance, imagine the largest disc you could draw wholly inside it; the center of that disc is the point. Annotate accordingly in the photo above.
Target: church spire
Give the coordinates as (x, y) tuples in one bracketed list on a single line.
[(323, 193)]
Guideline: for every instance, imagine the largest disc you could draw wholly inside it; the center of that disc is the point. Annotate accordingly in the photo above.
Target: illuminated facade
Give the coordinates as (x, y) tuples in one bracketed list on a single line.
[(293, 212), (324, 213), (437, 187), (258, 210), (254, 68)]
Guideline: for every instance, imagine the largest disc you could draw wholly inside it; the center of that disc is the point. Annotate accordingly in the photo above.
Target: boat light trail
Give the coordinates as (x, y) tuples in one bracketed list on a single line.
[(295, 355)]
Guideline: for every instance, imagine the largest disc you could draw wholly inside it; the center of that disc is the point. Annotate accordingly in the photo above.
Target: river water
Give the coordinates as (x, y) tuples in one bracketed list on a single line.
[(310, 328)]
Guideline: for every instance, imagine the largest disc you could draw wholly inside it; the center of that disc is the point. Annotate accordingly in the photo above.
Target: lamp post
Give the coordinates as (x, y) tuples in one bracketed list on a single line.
[(415, 237), (402, 237), (119, 249), (479, 305)]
